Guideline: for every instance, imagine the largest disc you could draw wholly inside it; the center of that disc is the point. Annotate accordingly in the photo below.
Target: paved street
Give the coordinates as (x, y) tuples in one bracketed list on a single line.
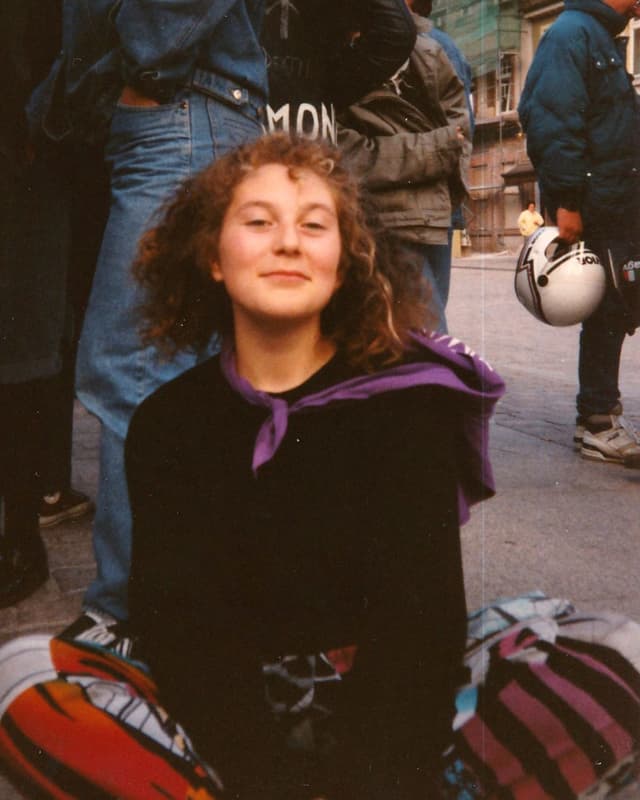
[(558, 523)]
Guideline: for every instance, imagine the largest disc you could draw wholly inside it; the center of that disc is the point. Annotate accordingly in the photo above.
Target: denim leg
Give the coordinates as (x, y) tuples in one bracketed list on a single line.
[(421, 252), (151, 151), (439, 256), (111, 530), (603, 333), (601, 342)]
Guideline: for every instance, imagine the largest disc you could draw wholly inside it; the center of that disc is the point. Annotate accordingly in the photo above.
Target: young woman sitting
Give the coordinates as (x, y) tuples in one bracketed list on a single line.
[(296, 587)]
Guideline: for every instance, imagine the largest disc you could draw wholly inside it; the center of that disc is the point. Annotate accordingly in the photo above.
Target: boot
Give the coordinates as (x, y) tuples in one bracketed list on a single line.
[(21, 573), (23, 558)]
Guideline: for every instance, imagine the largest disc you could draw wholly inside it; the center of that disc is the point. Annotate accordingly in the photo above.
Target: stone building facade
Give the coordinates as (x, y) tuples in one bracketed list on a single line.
[(499, 38)]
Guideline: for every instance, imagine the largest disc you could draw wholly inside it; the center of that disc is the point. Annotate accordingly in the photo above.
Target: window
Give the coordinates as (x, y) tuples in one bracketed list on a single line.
[(490, 93), (507, 73)]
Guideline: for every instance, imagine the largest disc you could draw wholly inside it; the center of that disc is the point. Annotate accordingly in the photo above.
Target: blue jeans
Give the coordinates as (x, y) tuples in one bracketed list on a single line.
[(151, 150), (601, 340), (436, 269)]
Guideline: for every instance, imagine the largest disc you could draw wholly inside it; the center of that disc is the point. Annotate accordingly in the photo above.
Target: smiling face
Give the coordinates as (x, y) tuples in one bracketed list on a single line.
[(279, 248)]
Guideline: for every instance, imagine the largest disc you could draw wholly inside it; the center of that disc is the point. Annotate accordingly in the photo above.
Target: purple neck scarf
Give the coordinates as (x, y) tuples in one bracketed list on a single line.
[(457, 369)]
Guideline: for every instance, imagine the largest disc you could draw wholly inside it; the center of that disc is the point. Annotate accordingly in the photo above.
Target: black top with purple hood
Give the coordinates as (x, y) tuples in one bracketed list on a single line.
[(324, 517)]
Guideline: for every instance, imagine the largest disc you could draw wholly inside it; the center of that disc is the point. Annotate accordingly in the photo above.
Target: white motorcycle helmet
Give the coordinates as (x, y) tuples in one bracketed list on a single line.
[(559, 284)]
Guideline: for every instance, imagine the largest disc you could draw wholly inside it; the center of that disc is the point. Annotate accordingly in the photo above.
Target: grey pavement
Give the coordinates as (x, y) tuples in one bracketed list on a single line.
[(558, 523)]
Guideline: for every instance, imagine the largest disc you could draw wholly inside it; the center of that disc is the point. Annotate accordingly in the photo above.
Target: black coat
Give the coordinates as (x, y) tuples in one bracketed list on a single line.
[(315, 64)]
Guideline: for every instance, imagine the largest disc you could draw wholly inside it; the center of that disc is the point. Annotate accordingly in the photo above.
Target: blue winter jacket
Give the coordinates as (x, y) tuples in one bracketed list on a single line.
[(154, 46), (579, 111)]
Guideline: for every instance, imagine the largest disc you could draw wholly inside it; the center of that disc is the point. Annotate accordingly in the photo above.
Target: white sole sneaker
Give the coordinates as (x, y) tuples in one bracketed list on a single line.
[(615, 445), (594, 454)]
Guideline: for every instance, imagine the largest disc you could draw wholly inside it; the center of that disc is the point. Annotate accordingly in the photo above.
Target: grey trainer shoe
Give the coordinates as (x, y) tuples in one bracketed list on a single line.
[(610, 437)]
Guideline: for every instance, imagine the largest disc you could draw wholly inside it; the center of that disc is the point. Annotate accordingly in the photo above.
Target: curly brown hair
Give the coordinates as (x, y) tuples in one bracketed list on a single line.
[(381, 298)]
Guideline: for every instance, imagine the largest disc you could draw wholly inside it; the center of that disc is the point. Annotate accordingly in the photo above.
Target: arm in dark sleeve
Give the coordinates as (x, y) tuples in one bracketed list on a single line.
[(389, 161), (409, 661), (462, 68), (387, 158), (30, 39), (451, 93), (455, 105), (150, 510), (211, 685), (163, 570), (553, 110), (386, 37), (160, 41)]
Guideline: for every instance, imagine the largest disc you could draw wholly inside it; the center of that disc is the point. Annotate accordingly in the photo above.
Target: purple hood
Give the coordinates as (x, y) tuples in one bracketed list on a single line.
[(457, 368)]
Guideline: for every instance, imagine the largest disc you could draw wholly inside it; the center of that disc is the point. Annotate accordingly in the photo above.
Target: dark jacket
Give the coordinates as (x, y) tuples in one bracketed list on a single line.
[(402, 139), (30, 34), (33, 208), (152, 46), (579, 111)]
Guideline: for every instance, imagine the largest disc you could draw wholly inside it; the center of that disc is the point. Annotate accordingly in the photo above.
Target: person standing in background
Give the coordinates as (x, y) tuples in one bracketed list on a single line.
[(169, 87), (409, 139), (440, 255), (579, 110), (529, 220), (33, 260), (88, 209)]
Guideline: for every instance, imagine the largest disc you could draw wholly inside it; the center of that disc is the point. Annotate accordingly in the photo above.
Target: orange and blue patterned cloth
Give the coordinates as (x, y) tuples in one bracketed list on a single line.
[(551, 711)]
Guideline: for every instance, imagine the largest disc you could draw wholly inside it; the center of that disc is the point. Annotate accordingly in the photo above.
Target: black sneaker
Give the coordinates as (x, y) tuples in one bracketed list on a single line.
[(102, 630), (67, 504)]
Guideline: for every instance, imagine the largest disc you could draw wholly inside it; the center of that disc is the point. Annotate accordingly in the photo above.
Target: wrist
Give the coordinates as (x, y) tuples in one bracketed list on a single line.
[(130, 96)]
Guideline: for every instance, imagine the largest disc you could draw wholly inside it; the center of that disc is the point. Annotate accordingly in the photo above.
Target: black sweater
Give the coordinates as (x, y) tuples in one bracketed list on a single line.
[(348, 535)]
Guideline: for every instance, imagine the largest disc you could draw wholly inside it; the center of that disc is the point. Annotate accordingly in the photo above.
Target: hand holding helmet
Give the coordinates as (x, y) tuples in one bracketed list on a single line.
[(570, 225), (559, 283)]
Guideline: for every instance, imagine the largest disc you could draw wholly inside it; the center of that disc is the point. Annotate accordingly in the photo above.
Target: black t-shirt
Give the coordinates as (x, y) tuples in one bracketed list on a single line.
[(316, 66)]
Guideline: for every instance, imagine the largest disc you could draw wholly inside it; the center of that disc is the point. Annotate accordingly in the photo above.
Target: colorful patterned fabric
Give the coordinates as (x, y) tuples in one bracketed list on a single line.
[(551, 712), (83, 723)]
